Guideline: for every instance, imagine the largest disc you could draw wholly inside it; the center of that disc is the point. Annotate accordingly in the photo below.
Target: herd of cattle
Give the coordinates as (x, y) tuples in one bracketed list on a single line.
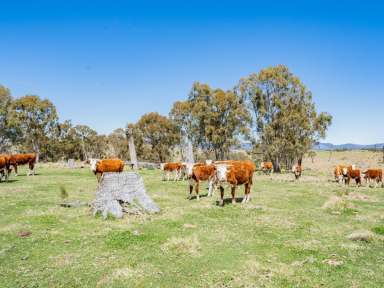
[(218, 174)]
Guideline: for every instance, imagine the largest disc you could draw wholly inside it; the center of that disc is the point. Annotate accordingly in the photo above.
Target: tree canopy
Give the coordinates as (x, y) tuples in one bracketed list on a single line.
[(285, 119), (212, 119)]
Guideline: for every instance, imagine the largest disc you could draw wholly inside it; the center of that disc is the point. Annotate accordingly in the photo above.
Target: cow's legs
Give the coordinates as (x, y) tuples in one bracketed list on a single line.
[(191, 184), (15, 167), (221, 203), (210, 188), (233, 193), (197, 190)]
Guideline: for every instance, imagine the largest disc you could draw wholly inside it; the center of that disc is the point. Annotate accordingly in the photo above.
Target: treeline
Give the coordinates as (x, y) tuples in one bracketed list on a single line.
[(273, 109)]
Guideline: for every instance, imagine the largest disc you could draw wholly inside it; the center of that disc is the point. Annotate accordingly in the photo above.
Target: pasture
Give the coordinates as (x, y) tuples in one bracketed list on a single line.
[(292, 234)]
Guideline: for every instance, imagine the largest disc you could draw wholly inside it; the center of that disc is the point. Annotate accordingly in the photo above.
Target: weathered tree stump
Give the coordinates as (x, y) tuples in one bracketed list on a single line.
[(116, 190)]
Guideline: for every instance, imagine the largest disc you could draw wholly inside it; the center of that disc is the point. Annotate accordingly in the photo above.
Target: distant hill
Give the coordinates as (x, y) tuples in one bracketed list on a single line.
[(247, 146), (348, 146)]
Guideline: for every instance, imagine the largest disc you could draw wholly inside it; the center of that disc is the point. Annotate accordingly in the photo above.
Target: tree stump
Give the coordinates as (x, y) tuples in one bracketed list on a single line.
[(116, 190)]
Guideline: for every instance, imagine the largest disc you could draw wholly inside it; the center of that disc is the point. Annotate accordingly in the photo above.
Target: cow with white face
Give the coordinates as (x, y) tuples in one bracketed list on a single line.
[(93, 164), (200, 172), (235, 173)]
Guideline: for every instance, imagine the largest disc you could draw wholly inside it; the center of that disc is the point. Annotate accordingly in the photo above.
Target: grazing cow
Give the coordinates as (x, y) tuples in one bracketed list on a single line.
[(169, 168), (200, 172), (351, 172), (297, 170), (266, 167), (374, 174), (338, 172), (22, 159), (235, 173), (105, 165), (4, 167)]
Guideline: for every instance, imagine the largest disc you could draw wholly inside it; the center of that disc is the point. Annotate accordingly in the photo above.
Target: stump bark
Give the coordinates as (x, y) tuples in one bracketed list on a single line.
[(116, 190)]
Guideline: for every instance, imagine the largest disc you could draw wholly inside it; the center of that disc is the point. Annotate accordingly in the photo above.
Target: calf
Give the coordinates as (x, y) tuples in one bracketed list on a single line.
[(22, 159), (99, 167), (338, 173), (375, 175), (4, 167), (351, 172), (235, 173), (169, 168), (266, 167), (297, 170), (200, 172)]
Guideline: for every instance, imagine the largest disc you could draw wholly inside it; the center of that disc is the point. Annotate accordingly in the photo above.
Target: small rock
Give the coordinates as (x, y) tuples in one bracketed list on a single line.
[(24, 233), (67, 241), (186, 225), (363, 235), (333, 262)]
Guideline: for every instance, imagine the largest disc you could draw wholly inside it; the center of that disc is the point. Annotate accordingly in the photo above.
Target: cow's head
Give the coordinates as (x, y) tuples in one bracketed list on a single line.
[(162, 166), (345, 171), (353, 167), (208, 162), (221, 172), (93, 163), (262, 165), (189, 169)]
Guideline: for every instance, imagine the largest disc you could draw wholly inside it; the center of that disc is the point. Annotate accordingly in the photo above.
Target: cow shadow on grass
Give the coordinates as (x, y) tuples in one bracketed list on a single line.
[(193, 197), (9, 181), (229, 201)]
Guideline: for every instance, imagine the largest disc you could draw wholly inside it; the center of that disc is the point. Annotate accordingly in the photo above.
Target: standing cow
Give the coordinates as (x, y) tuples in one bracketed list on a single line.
[(351, 172), (375, 175), (235, 173), (297, 169), (98, 167), (4, 168), (266, 167), (200, 172), (169, 168), (23, 159), (338, 173)]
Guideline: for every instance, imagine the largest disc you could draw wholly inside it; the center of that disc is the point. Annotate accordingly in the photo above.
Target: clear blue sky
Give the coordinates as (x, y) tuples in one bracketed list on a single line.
[(105, 63)]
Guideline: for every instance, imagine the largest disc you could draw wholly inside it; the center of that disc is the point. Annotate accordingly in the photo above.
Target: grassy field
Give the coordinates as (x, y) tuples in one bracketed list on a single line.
[(292, 234)]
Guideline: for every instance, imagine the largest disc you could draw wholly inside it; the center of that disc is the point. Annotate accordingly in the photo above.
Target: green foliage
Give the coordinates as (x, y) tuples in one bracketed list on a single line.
[(155, 135), (284, 114), (378, 230), (35, 119), (212, 119), (6, 133)]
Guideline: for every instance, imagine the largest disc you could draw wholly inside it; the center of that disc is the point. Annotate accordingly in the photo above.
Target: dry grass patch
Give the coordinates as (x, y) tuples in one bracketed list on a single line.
[(337, 205), (188, 245)]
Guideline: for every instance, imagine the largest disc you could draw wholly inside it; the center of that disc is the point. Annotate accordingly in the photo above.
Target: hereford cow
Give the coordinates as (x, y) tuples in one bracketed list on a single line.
[(169, 168), (23, 159), (338, 172), (235, 173), (4, 167), (105, 165), (200, 172), (375, 175), (351, 172), (266, 167), (297, 170)]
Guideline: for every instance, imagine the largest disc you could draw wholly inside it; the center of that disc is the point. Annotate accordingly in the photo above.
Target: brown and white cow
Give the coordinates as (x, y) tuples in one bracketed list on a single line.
[(351, 172), (4, 167), (297, 170), (100, 166), (338, 173), (198, 172), (169, 168), (235, 173), (375, 175), (266, 167), (23, 159)]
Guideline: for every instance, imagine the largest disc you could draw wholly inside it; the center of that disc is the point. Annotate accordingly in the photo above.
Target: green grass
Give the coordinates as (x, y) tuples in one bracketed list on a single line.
[(283, 238)]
